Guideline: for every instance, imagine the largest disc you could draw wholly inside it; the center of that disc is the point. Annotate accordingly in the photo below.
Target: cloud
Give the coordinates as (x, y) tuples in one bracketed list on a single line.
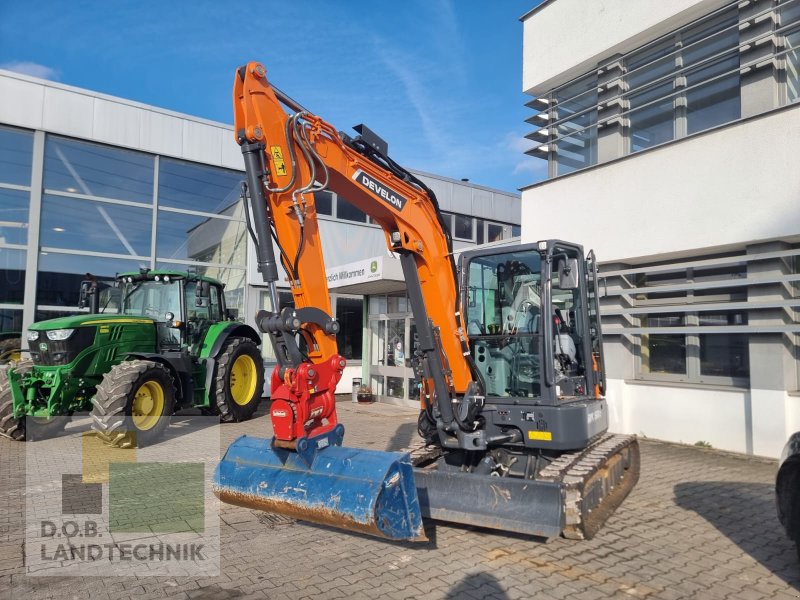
[(516, 144), (33, 69), (416, 92)]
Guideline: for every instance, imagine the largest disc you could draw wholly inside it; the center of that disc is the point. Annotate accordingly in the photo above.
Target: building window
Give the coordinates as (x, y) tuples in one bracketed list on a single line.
[(480, 225), (663, 353), (16, 155), (494, 232), (60, 275), (348, 212), (350, 315), (723, 354), (202, 188), (12, 276), (324, 203), (650, 101), (576, 125), (790, 17), (89, 169), (200, 224), (447, 221), (710, 57), (79, 224), (463, 227), (690, 301), (685, 84), (13, 216), (196, 238)]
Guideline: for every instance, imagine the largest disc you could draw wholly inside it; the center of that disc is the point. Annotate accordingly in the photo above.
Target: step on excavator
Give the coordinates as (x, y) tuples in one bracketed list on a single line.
[(513, 421)]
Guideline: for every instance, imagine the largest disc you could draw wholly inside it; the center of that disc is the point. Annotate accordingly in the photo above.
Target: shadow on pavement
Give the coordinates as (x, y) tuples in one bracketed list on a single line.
[(479, 585), (428, 525), (405, 435), (745, 513)]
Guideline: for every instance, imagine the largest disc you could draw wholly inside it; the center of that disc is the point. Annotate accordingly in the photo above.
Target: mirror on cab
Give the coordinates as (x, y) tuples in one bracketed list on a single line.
[(567, 273), (202, 294)]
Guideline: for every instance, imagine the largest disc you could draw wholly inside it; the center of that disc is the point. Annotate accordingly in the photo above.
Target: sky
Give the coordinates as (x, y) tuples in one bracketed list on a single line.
[(439, 80)]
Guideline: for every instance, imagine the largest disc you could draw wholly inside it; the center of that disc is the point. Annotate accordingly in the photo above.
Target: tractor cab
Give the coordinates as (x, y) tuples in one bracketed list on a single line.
[(183, 305)]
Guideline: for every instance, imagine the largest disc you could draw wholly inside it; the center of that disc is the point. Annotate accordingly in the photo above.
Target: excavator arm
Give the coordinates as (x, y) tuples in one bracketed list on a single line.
[(290, 156)]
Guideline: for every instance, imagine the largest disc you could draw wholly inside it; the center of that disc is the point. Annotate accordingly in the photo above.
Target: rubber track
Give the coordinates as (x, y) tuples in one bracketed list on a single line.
[(591, 466), (574, 471)]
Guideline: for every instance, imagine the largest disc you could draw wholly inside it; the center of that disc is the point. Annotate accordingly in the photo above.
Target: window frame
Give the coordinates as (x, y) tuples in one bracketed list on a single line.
[(692, 341)]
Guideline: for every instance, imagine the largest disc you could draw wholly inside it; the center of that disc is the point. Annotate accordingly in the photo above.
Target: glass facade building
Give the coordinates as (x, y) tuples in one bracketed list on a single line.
[(101, 185), (83, 207)]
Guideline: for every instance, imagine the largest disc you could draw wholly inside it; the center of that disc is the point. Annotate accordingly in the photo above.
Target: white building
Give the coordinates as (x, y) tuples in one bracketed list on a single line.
[(671, 131), (94, 183)]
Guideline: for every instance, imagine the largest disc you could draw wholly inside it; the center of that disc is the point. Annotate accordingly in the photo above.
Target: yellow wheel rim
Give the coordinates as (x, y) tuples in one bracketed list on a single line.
[(243, 380), (148, 405)]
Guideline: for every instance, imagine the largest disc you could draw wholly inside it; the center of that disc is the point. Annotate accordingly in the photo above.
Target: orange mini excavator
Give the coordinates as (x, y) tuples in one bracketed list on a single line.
[(513, 421)]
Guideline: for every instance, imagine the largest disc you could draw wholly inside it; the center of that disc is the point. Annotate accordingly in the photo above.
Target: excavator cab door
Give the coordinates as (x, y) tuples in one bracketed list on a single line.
[(595, 333)]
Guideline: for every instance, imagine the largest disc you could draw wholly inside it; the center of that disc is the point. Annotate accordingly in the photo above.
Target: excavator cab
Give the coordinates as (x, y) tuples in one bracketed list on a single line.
[(533, 338)]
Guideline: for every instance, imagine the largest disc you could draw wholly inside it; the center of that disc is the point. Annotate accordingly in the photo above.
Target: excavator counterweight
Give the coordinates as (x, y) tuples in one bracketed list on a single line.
[(508, 359)]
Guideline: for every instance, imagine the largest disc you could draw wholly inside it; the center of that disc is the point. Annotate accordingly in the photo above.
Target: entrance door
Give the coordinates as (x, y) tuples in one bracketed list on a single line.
[(391, 375)]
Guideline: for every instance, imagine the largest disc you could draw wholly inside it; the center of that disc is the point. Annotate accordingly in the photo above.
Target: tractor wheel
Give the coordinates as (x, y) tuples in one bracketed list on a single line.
[(10, 427), (10, 349), (239, 380), (133, 404)]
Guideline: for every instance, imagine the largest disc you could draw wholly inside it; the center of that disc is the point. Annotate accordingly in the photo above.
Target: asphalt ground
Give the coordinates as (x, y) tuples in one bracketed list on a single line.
[(699, 524)]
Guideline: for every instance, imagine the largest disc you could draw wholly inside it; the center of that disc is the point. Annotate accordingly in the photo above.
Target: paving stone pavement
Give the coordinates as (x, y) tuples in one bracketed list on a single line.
[(699, 524)]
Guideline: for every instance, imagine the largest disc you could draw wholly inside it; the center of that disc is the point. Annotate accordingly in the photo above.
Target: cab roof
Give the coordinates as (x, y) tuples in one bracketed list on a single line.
[(146, 274)]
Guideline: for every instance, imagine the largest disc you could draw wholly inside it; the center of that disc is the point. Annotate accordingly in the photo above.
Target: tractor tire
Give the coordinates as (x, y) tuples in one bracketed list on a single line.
[(10, 349), (133, 404), (238, 381), (13, 429)]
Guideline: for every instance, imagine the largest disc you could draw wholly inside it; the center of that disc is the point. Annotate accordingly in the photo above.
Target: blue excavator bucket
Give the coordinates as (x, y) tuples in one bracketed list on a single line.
[(361, 490)]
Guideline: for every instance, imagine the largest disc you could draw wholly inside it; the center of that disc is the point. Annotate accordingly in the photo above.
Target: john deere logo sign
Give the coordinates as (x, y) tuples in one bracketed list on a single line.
[(354, 273)]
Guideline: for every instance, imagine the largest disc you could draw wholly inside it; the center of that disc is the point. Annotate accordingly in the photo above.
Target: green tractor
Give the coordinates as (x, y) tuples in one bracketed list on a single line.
[(170, 344)]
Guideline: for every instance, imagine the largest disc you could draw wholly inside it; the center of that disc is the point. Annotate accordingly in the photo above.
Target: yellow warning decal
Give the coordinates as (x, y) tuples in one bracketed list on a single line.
[(104, 329), (545, 436), (277, 158)]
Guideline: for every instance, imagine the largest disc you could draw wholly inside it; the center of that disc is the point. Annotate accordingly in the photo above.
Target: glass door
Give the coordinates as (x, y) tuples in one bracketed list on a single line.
[(391, 349)]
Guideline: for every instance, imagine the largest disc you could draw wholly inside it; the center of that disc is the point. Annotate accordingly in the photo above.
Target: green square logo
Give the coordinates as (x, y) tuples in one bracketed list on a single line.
[(154, 497)]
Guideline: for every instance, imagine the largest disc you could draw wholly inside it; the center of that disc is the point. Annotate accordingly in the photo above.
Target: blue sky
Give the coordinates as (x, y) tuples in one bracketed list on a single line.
[(440, 80)]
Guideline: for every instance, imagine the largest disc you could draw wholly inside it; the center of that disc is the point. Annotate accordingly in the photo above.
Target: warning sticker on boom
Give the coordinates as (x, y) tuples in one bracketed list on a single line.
[(277, 159), (381, 191)]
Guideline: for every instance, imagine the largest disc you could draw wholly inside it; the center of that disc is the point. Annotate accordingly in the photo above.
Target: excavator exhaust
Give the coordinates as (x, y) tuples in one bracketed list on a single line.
[(366, 491)]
